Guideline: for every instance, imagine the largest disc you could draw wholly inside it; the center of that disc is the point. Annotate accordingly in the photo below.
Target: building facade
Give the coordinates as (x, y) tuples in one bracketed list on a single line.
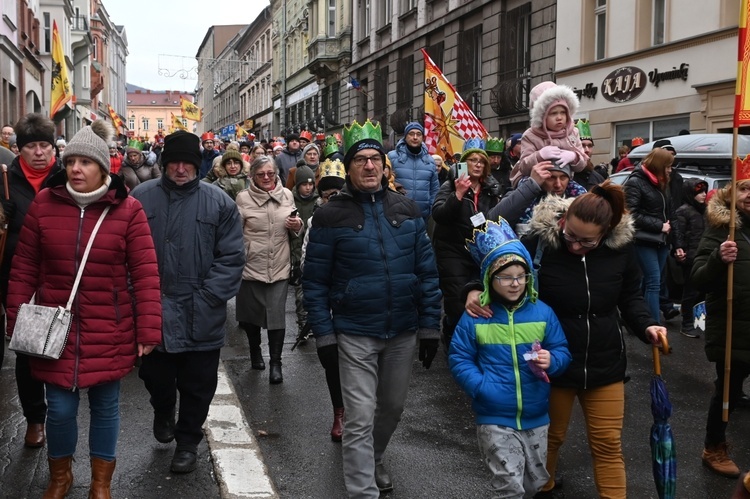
[(150, 112), (255, 92), (649, 68)]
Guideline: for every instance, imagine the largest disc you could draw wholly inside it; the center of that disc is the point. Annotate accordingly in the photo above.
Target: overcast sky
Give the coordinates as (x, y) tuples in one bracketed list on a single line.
[(168, 34)]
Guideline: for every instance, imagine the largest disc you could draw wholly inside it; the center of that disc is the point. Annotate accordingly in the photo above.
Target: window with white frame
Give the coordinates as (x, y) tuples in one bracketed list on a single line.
[(145, 124), (659, 17), (331, 19), (385, 12), (649, 130), (600, 15), (86, 76), (159, 124), (131, 124), (366, 19), (95, 47), (47, 32)]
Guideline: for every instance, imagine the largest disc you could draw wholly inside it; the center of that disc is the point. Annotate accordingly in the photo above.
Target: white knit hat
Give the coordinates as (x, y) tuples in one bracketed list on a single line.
[(92, 142)]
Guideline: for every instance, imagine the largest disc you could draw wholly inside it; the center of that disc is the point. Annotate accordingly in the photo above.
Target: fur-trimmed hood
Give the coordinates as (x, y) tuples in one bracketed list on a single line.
[(548, 212), (544, 102), (718, 210)]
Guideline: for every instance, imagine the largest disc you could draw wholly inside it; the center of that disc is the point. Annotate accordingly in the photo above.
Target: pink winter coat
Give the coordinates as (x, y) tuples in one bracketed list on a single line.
[(102, 345)]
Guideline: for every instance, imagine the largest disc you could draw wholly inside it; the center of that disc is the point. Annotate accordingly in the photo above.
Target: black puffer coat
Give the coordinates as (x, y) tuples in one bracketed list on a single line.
[(452, 227), (690, 222), (648, 205), (709, 274), (586, 292)]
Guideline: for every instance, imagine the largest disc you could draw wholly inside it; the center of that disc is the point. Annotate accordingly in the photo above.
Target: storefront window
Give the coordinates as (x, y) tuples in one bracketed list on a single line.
[(649, 130)]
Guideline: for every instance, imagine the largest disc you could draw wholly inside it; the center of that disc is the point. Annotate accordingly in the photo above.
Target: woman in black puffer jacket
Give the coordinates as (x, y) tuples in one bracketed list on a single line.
[(648, 202), (461, 205)]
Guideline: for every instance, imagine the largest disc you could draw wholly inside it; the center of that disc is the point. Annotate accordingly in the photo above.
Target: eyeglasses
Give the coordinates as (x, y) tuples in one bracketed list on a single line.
[(360, 161), (507, 280), (585, 243), (265, 174), (473, 161)]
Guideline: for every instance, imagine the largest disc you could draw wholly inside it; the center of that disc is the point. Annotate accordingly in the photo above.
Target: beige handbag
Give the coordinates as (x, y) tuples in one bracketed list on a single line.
[(42, 331)]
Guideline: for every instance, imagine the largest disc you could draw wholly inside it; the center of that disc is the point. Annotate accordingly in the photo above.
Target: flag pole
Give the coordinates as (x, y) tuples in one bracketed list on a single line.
[(730, 283)]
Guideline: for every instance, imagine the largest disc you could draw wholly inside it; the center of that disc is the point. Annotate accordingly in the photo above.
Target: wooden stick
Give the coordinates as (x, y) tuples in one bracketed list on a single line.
[(730, 285)]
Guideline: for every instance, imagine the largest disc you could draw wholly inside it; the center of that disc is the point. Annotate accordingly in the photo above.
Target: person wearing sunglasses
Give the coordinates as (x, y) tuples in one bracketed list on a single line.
[(587, 270)]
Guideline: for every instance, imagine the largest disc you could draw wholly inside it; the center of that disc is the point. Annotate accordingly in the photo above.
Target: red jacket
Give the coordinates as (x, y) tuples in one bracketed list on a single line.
[(115, 163), (121, 274)]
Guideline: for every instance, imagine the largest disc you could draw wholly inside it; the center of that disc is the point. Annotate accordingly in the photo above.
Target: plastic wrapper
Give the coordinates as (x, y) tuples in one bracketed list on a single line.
[(530, 356)]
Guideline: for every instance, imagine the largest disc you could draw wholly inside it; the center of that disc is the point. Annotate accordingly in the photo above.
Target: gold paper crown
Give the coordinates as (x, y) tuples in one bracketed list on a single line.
[(333, 168), (357, 132)]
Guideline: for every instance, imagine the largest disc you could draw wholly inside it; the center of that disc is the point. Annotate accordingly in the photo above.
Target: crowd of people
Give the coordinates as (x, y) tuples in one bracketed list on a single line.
[(518, 254)]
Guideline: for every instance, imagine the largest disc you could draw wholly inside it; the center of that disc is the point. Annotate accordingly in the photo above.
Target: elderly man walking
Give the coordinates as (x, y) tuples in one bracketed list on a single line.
[(198, 238), (371, 291)]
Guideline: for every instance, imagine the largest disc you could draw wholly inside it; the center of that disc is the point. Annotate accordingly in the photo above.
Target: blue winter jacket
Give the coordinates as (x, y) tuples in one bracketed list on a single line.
[(417, 174), (207, 161), (486, 359), (370, 269), (197, 233)]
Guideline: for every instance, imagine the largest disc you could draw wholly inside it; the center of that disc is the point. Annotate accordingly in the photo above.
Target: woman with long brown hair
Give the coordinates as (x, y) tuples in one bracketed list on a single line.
[(649, 203)]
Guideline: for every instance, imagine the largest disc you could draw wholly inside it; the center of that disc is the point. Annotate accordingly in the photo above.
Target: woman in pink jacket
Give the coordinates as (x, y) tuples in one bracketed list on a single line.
[(120, 282)]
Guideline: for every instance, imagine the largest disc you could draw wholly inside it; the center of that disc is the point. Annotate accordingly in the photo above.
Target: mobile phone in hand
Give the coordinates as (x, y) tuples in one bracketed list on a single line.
[(293, 213), (462, 169)]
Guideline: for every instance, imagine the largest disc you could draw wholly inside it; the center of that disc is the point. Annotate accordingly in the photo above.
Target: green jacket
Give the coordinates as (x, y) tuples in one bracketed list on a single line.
[(305, 208), (709, 274)]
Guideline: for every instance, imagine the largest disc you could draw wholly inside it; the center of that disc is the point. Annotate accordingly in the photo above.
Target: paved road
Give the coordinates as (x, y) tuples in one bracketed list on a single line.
[(434, 451)]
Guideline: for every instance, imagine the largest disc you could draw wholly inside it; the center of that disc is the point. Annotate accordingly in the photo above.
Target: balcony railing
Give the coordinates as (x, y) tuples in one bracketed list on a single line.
[(80, 23)]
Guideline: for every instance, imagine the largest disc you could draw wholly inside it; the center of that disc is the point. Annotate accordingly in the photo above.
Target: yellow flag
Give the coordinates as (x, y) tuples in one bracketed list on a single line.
[(448, 120), (177, 124), (190, 111), (61, 91), (241, 132)]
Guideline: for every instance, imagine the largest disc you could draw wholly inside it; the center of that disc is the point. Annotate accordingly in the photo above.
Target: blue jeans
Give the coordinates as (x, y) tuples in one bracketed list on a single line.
[(62, 426), (652, 260)]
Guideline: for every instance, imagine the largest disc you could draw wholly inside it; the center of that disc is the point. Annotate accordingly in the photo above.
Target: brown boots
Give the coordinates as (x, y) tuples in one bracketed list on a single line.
[(338, 424), (101, 478), (60, 477), (717, 460)]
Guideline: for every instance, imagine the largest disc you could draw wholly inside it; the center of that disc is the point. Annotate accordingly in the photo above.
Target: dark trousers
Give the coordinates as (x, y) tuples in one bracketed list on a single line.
[(30, 391), (194, 375), (715, 427), (333, 379)]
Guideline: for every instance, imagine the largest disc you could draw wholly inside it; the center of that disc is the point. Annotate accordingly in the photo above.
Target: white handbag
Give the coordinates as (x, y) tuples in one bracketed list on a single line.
[(42, 331)]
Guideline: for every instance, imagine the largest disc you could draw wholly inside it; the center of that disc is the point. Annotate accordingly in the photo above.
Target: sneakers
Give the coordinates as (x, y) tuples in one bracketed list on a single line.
[(690, 332), (717, 460)]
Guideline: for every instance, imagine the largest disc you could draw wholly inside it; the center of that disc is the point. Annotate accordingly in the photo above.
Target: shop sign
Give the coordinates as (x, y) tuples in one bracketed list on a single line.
[(588, 91), (624, 84), (680, 73)]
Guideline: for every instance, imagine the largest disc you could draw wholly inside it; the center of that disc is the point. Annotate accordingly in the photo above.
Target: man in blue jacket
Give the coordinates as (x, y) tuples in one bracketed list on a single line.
[(415, 169), (197, 233), (371, 290)]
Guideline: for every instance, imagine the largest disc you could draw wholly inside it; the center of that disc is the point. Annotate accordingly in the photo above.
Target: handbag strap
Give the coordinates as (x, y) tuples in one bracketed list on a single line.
[(85, 257)]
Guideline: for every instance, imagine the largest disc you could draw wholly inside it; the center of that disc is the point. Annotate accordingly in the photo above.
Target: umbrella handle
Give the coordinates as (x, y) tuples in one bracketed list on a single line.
[(655, 350)]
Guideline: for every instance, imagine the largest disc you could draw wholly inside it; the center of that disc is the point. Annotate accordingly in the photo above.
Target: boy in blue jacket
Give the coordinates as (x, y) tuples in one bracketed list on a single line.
[(487, 358)]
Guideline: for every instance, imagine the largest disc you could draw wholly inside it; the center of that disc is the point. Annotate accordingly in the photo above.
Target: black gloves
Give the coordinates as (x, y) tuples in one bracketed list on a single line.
[(427, 350), (329, 356), (9, 209)]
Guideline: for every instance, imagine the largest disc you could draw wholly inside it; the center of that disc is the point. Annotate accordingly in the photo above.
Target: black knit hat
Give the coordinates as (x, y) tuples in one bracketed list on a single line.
[(182, 146), (34, 127)]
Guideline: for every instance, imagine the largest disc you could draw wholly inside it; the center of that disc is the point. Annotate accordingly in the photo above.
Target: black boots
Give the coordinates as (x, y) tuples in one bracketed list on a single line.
[(275, 346), (253, 339)]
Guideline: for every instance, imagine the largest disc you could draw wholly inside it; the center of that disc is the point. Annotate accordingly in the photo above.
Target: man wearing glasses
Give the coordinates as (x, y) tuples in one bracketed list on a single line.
[(546, 178), (415, 169), (371, 291)]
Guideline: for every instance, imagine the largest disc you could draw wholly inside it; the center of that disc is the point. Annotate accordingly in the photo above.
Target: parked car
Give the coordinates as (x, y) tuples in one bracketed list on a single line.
[(713, 179)]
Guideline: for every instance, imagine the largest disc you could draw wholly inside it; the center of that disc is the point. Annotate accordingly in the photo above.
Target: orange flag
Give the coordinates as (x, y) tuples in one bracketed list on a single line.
[(742, 92), (190, 111), (61, 90), (116, 121), (448, 120)]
